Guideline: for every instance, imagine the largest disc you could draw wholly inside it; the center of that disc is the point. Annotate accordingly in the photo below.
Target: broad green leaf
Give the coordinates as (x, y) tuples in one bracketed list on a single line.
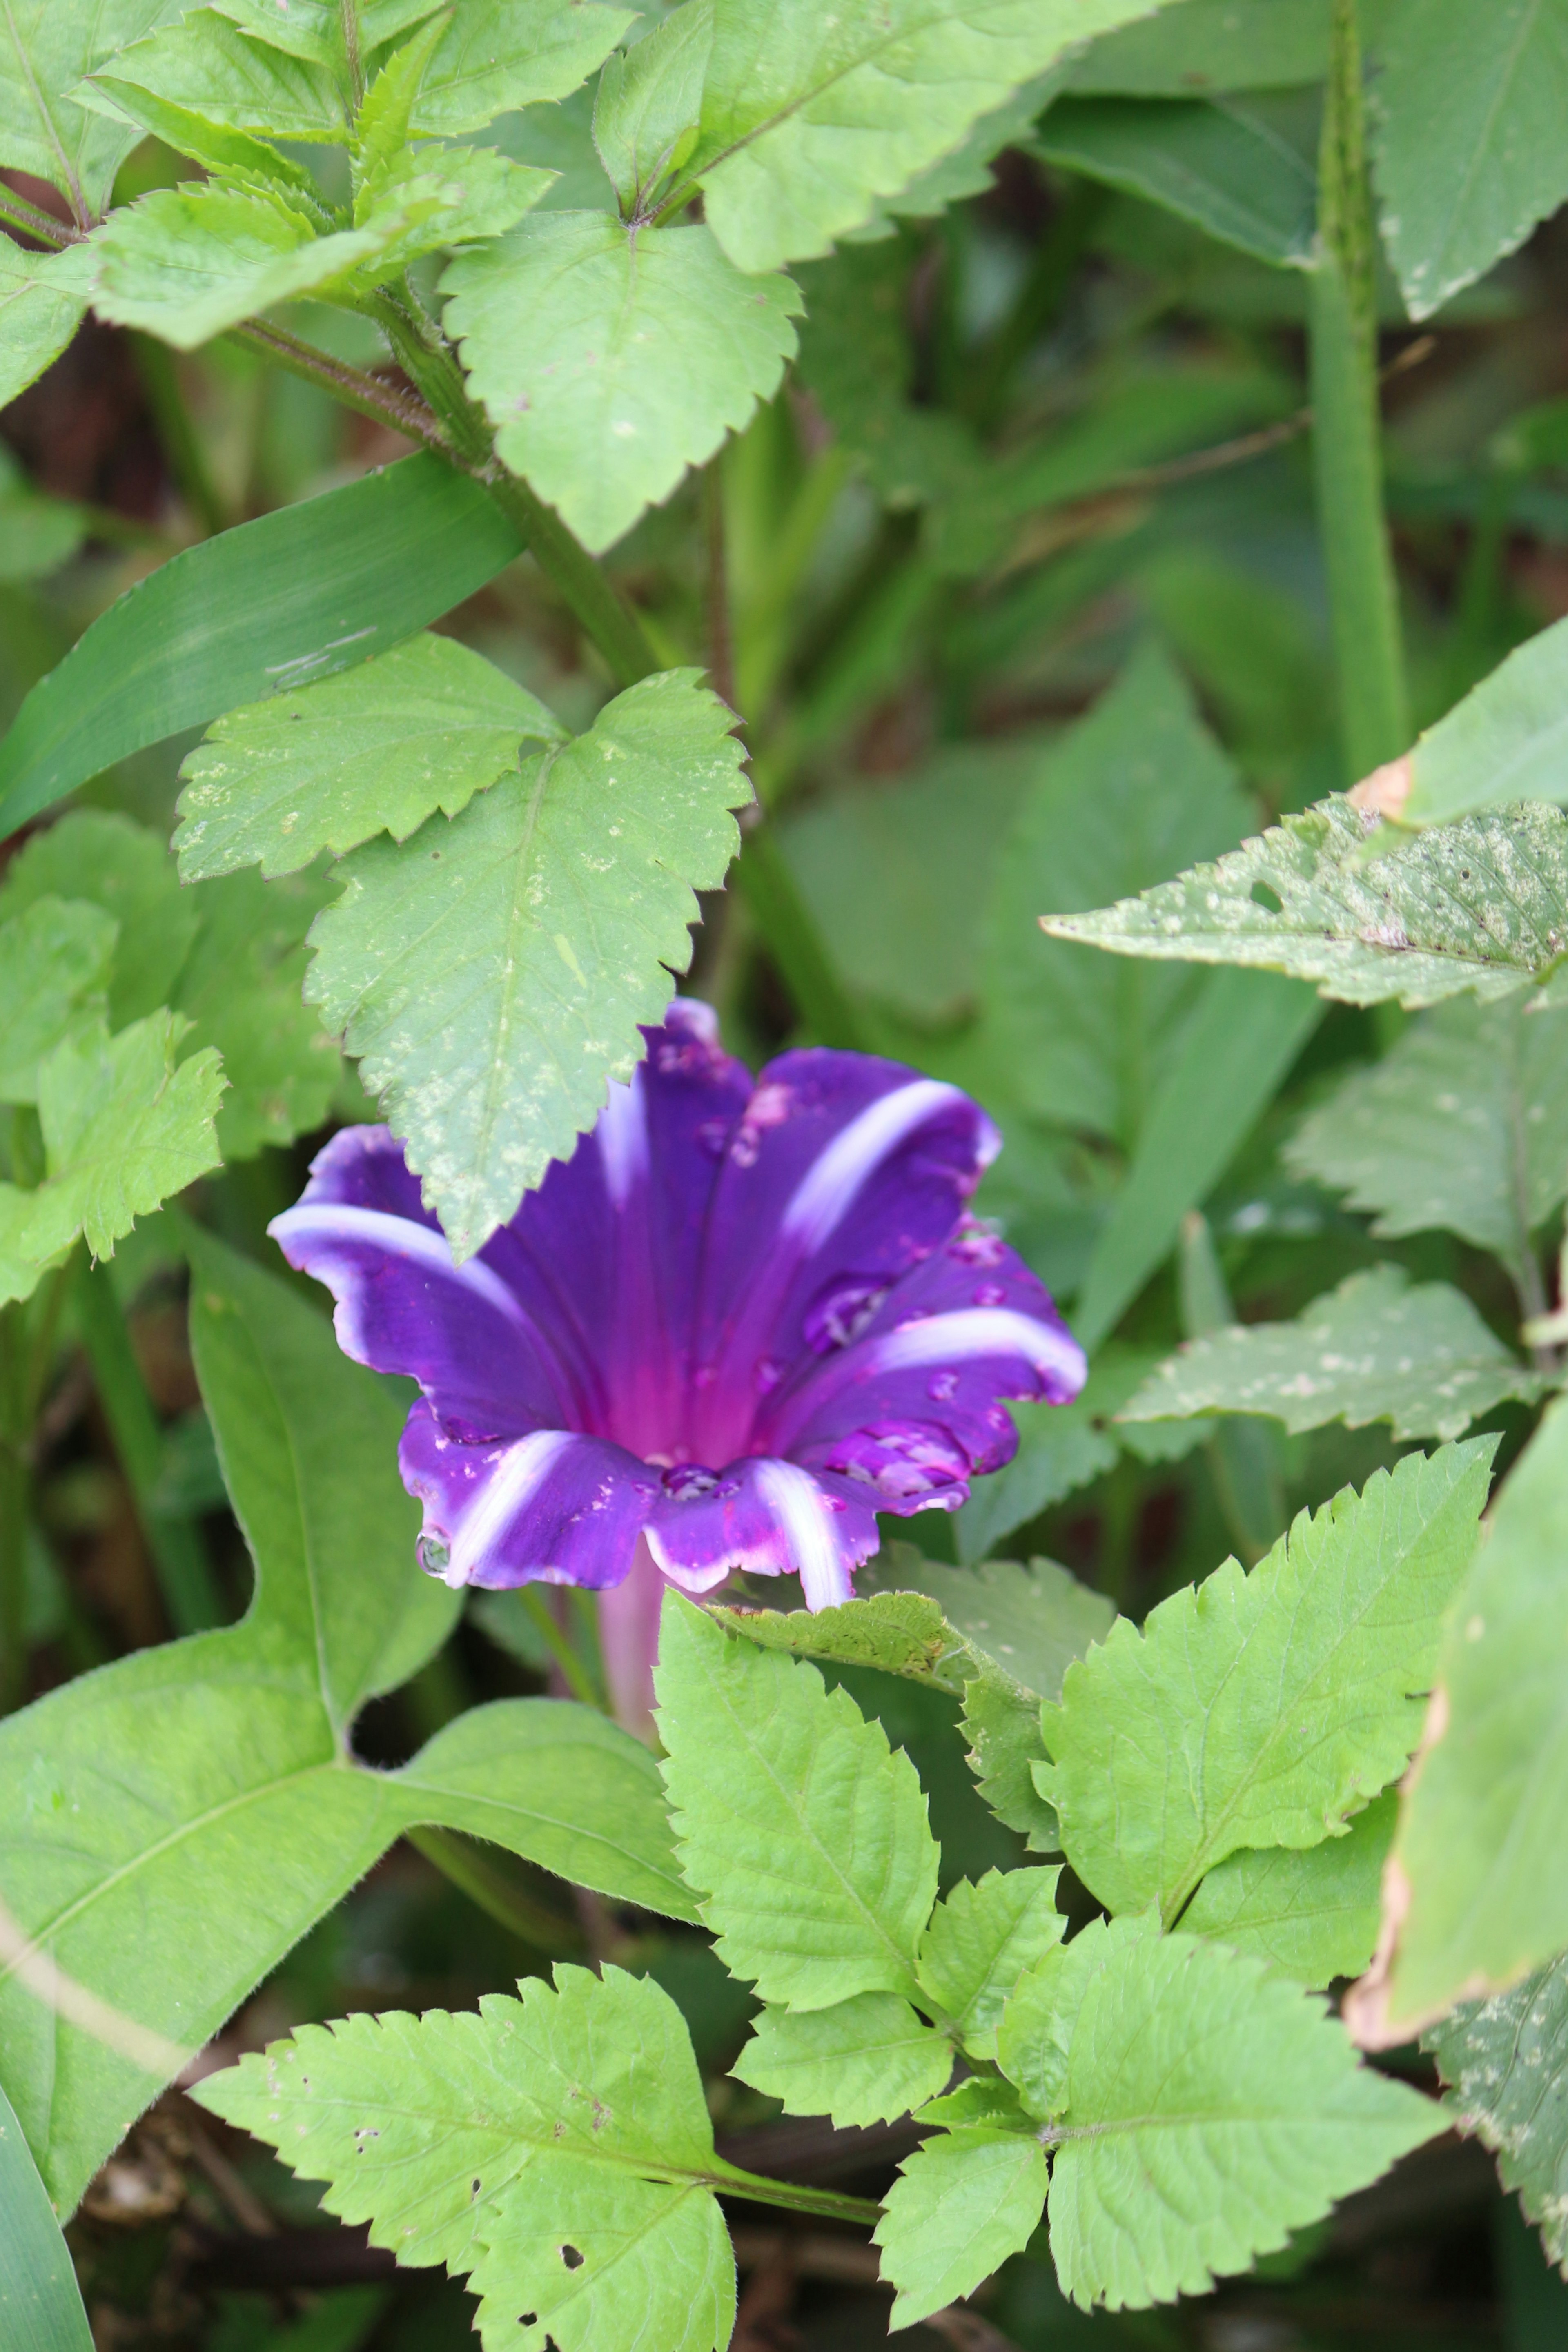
[(964, 2202), (124, 1131), (863, 2060), (1373, 1350), (501, 54), (212, 67), (240, 987), (978, 2099), (491, 971), (1209, 46), (896, 1632), (1263, 1710), (1463, 1125), (20, 1271), (42, 298), (433, 198), (1504, 743), (1060, 1448), (230, 155), (313, 29), (611, 359), (423, 727), (1479, 1844), (808, 118), (1481, 905), (1224, 168), (1207, 2110), (1033, 1620), (556, 2146), (1467, 151), (966, 170), (292, 597), (40, 2302), (982, 1938), (122, 869), (1311, 1913), (53, 965), (184, 266), (45, 50), (200, 1799), (1505, 2062), (1139, 790), (810, 1851), (646, 113)]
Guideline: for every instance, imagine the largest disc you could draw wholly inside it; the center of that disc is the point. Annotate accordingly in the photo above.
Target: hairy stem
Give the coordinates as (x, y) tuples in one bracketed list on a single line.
[(1374, 718), (827, 2202)]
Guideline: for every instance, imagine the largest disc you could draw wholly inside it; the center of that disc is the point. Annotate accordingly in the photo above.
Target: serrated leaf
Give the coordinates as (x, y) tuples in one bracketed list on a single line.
[(966, 170), (863, 2060), (382, 118), (1373, 1350), (982, 1938), (491, 972), (960, 2206), (378, 749), (313, 29), (1001, 1725), (501, 54), (646, 113), (1033, 1620), (1312, 1913), (1207, 2110), (54, 968), (42, 298), (610, 359), (45, 50), (1059, 1450), (124, 1131), (1137, 791), (1467, 151), (810, 1851), (122, 867), (430, 199), (1505, 2063), (20, 1271), (216, 69), (898, 1632), (1205, 45), (184, 266), (557, 2146), (1263, 1710), (978, 2099), (1225, 169), (240, 988), (807, 119), (228, 155), (1481, 905), (1463, 1125)]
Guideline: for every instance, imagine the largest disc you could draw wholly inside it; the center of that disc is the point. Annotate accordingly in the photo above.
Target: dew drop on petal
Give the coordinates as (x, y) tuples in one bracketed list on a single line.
[(942, 1387), (433, 1555), (990, 1294)]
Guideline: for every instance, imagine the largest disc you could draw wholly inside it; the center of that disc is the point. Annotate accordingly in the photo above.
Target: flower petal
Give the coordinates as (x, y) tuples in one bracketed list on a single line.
[(550, 1507), (768, 1517)]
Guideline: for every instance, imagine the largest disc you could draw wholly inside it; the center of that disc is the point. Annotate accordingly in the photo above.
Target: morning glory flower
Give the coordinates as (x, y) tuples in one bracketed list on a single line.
[(745, 1318)]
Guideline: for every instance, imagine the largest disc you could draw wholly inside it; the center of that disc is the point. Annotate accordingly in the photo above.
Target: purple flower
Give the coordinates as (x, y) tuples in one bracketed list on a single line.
[(741, 1320)]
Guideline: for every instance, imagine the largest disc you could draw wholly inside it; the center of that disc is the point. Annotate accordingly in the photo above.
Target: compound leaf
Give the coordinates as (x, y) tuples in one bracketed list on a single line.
[(1373, 1350), (1463, 1125), (811, 1849), (1311, 1913), (184, 266), (124, 1131), (492, 971), (1482, 905), (1505, 2062), (982, 1938), (863, 2060), (610, 359), (649, 102), (1263, 1710), (960, 2206), (215, 69), (377, 749)]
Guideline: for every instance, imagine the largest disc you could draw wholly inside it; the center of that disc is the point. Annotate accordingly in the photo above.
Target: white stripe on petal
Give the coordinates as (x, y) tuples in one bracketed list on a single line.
[(400, 1237), (516, 1479), (801, 1508), (622, 1137), (971, 1331), (827, 1191)]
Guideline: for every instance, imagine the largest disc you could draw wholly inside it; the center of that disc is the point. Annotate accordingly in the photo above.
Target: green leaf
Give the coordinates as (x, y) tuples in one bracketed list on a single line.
[(810, 1850), (1270, 1708), (1463, 1125), (1373, 1350), (240, 988), (557, 2147), (1032, 1621), (42, 298), (20, 1271), (1208, 46), (426, 201), (292, 597), (1505, 2062), (1225, 169), (1481, 905), (1480, 1837), (491, 972), (124, 1131), (1060, 1448), (960, 2206), (1001, 1725), (807, 119), (966, 170), (209, 67), (1311, 1913), (610, 359), (199, 1798), (313, 29), (863, 2060), (54, 964), (501, 54), (45, 50), (230, 155), (646, 114), (37, 533), (1207, 2110), (1466, 152), (982, 1938), (423, 727), (898, 1632), (382, 118), (1502, 744), (122, 867), (40, 2303)]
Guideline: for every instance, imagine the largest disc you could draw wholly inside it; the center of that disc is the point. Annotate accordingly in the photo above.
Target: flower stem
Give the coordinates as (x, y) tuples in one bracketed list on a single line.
[(579, 1681), (1374, 718)]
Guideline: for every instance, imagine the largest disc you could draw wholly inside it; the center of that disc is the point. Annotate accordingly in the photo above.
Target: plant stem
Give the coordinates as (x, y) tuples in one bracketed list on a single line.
[(181, 444), (763, 876), (184, 1571), (461, 1860), (1374, 719), (578, 1679), (827, 2202)]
